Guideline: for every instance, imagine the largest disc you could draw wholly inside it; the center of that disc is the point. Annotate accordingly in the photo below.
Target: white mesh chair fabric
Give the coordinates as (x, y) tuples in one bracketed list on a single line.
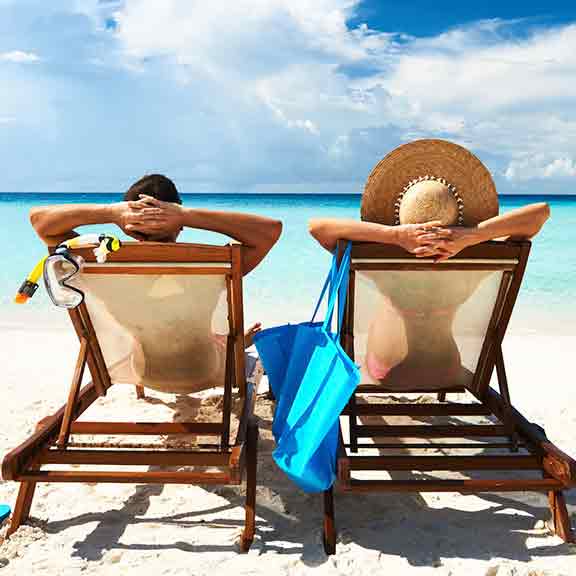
[(162, 331), (422, 330)]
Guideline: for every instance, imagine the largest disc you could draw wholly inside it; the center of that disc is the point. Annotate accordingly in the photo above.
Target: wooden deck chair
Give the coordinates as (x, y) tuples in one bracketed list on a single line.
[(149, 318), (417, 326)]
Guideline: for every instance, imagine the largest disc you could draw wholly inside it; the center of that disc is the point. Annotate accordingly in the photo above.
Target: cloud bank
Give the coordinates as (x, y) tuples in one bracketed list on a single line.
[(278, 95)]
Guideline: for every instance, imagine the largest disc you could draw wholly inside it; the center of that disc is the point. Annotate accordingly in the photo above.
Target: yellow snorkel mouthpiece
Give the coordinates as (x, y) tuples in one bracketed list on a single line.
[(106, 243), (30, 285)]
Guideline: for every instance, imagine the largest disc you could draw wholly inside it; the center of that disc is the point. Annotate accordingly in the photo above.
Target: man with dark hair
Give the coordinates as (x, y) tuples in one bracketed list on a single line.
[(152, 210), (155, 185)]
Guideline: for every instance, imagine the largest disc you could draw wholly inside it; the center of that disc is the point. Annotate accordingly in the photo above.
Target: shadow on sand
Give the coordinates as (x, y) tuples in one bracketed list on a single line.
[(290, 521)]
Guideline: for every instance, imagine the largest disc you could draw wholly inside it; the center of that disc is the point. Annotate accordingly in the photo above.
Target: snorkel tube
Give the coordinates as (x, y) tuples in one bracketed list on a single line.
[(30, 285), (106, 243)]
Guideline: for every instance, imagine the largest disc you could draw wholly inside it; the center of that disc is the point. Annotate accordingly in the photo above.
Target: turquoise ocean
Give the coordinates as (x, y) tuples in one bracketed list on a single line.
[(287, 283)]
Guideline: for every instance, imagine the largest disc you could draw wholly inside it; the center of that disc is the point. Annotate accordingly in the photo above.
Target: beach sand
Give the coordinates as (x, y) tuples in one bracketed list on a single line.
[(172, 529)]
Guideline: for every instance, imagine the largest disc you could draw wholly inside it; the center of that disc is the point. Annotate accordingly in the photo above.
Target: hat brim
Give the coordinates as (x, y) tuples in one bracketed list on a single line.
[(437, 158)]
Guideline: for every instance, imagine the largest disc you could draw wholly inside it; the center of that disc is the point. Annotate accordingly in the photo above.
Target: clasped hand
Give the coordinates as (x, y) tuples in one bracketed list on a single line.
[(149, 218), (432, 240)]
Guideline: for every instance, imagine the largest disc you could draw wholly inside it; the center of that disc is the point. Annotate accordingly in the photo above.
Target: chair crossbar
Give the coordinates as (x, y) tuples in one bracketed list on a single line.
[(431, 431), (419, 410), (136, 458), (147, 428), (495, 462), (104, 266), (154, 477), (462, 486), (379, 389), (434, 446), (421, 261), (184, 445)]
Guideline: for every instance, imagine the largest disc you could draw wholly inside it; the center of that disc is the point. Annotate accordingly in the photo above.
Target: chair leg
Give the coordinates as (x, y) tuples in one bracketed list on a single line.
[(329, 534), (140, 392), (22, 507), (560, 515), (250, 505)]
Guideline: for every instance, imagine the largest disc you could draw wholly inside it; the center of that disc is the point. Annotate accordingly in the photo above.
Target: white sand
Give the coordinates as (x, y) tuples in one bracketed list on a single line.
[(137, 529)]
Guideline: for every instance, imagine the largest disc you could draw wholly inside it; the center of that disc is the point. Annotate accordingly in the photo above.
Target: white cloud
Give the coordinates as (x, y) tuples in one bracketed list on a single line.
[(479, 85), (560, 167), (18, 56), (255, 93), (540, 167)]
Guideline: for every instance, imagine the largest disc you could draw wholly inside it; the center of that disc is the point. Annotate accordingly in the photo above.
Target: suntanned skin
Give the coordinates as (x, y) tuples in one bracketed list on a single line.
[(155, 220), (152, 219), (430, 239)]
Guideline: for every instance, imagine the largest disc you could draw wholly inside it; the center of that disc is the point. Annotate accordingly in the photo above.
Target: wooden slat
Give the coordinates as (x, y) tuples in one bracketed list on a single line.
[(135, 458), (383, 389), (463, 486), (343, 462), (238, 319), (98, 377), (449, 409), (228, 377), (454, 260), (238, 451), (73, 394), (162, 252), (495, 338), (156, 446), (94, 348), (434, 445), (495, 462), (141, 270), (431, 431), (145, 428), (483, 368), (155, 477), (432, 266), (510, 249)]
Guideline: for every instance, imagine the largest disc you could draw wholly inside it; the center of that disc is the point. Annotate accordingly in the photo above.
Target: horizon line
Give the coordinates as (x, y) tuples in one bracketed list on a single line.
[(271, 194)]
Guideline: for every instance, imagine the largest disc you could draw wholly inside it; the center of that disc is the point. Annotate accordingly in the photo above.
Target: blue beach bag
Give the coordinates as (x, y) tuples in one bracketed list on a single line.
[(312, 379)]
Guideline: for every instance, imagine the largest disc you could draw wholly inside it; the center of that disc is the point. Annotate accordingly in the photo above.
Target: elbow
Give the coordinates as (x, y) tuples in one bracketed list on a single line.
[(270, 235), (544, 211), (316, 228), (275, 231), (538, 214), (37, 221), (323, 233)]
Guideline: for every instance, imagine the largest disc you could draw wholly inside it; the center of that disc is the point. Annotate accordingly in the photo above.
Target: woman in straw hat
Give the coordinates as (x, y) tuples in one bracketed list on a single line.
[(433, 198)]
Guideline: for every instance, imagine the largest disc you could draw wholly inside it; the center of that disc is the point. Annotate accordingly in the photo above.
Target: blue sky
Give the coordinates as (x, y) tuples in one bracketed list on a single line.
[(430, 18), (281, 95)]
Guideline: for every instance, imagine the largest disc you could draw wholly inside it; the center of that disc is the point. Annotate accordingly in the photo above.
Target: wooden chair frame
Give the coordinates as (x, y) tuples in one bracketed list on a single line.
[(556, 470), (51, 443)]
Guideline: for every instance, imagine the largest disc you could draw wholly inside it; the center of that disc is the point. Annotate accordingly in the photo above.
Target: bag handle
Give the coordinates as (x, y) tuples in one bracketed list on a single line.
[(328, 282), (342, 295), (339, 288)]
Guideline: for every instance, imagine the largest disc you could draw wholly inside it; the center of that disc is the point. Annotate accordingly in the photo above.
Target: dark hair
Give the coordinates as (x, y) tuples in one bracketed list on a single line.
[(155, 185)]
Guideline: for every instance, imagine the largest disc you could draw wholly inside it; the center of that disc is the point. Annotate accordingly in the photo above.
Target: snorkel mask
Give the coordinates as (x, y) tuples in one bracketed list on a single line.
[(61, 266)]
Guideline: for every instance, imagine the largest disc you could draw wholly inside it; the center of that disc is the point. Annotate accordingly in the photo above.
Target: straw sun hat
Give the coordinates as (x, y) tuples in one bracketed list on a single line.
[(429, 180)]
